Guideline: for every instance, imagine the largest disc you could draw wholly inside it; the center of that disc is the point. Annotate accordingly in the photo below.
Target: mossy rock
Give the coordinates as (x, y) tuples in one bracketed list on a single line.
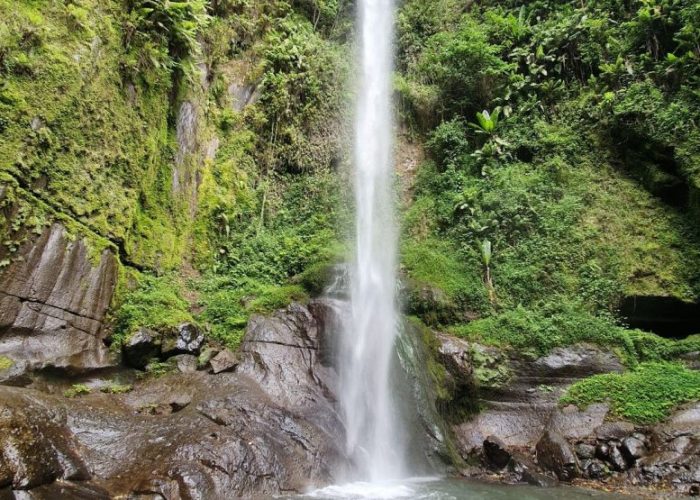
[(6, 363)]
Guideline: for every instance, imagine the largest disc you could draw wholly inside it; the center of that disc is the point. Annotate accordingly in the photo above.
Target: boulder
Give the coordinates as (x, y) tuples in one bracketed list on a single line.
[(578, 360), (555, 454), (205, 357), (225, 361), (187, 338), (614, 430), (573, 423), (633, 448), (141, 348), (185, 363), (526, 471), (595, 469), (616, 459), (602, 451), (585, 451), (496, 453)]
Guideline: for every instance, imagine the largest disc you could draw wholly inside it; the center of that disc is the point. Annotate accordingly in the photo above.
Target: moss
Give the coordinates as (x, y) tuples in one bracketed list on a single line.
[(117, 388), (645, 395), (538, 331), (69, 118), (158, 369), (77, 390), (6, 363), (490, 371)]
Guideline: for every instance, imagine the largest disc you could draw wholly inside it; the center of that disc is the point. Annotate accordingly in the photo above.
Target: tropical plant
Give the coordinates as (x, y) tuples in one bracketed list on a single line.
[(486, 122), (176, 22)]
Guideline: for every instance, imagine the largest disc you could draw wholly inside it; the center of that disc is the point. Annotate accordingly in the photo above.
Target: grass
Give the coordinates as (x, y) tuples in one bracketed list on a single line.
[(646, 395)]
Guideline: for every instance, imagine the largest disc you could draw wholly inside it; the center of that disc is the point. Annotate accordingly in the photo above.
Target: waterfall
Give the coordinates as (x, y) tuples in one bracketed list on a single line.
[(373, 429)]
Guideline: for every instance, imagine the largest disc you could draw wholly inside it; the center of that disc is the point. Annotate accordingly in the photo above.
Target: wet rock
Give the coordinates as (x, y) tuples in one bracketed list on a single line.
[(64, 490), (281, 352), (53, 303), (187, 339), (573, 423), (185, 363), (224, 361), (633, 448), (526, 470), (555, 454), (616, 459), (614, 430), (495, 452), (585, 451), (35, 447), (141, 348), (595, 469), (192, 435), (578, 361), (203, 360), (15, 374)]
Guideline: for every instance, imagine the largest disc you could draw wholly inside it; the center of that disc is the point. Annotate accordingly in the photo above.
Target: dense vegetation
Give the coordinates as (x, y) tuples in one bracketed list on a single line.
[(204, 141), (563, 149)]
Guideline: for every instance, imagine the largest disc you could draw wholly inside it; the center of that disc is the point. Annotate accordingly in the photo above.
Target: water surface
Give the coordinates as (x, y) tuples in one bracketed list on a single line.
[(451, 489)]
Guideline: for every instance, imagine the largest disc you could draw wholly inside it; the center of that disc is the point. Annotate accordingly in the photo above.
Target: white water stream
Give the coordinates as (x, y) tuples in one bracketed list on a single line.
[(374, 433)]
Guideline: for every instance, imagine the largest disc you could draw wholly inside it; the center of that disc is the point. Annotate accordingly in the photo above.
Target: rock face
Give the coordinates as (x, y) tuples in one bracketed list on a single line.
[(53, 302), (520, 419), (519, 407), (271, 426)]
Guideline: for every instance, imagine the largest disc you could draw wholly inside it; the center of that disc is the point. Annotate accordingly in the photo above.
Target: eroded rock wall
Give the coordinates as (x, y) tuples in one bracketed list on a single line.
[(53, 302)]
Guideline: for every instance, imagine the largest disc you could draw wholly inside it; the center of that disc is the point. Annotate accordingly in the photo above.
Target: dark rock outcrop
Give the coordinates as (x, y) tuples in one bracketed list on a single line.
[(53, 303), (518, 408), (141, 348), (554, 453), (270, 427), (574, 443), (496, 453), (187, 338)]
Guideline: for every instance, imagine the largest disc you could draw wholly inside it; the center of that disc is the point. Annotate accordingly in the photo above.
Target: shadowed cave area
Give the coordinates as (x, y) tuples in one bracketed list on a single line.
[(666, 316)]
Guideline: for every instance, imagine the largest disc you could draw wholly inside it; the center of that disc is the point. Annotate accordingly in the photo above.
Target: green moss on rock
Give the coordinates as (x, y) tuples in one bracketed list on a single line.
[(6, 363), (645, 395)]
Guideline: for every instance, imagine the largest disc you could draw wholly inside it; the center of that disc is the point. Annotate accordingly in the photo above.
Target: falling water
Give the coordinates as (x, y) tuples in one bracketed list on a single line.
[(372, 423)]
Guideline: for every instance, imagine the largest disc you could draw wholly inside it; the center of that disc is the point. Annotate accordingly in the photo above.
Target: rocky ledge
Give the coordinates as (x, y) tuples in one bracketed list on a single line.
[(266, 424), (521, 434)]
